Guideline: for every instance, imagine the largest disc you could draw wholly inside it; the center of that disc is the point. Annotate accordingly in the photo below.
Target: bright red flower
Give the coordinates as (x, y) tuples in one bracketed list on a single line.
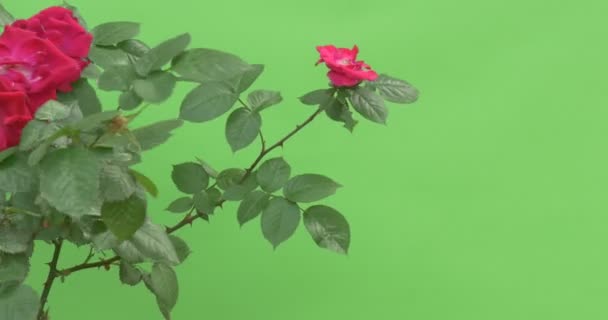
[(34, 66), (344, 69), (38, 57), (14, 115), (58, 25)]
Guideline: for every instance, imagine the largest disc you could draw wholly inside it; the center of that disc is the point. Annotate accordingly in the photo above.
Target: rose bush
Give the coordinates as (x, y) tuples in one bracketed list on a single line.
[(67, 172)]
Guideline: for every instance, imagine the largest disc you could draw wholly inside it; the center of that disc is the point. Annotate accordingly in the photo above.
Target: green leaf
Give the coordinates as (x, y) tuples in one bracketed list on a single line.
[(7, 153), (129, 100), (229, 177), (154, 244), (16, 233), (242, 127), (37, 133), (181, 247), (328, 228), (52, 111), (127, 251), (162, 54), (21, 304), (101, 238), (317, 97), (95, 120), (180, 205), (16, 175), (111, 33), (13, 271), (134, 47), (38, 154), (92, 71), (395, 90), (230, 180), (262, 99), (208, 65), (26, 201), (56, 227), (309, 188), (248, 77), (108, 57), (153, 135), (117, 78), (163, 284), (338, 111), (208, 168), (124, 217), (116, 183), (239, 190), (84, 95), (252, 206), (5, 18), (34, 133), (280, 219), (145, 182), (215, 196), (156, 88), (75, 112), (368, 104), (129, 274), (273, 174), (190, 177), (207, 102), (204, 203), (69, 180)]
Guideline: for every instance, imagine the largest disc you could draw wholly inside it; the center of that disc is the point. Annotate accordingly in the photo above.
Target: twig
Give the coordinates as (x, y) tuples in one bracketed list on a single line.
[(188, 220), (89, 265), (279, 143), (244, 104), (42, 314), (90, 255)]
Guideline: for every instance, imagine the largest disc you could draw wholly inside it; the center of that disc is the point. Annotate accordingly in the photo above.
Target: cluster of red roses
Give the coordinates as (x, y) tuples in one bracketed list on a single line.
[(39, 57)]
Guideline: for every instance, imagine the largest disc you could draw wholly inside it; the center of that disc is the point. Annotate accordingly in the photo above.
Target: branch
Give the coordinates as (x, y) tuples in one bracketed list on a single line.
[(50, 279), (190, 218), (279, 143), (89, 265)]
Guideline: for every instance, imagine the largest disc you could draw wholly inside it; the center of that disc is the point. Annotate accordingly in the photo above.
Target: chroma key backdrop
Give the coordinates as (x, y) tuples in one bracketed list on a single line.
[(483, 200)]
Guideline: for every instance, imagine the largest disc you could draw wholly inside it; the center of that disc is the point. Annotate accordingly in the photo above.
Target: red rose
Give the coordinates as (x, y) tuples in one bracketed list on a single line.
[(344, 69), (58, 25), (14, 115), (35, 66)]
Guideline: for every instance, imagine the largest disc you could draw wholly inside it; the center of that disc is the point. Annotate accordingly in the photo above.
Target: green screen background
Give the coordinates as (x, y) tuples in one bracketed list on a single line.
[(485, 200)]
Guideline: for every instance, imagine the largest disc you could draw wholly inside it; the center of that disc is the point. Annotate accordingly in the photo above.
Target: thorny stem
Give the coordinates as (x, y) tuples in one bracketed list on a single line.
[(53, 274), (191, 217), (279, 143), (106, 263)]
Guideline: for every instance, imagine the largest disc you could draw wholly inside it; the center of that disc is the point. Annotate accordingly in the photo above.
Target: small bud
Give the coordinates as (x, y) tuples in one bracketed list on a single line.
[(118, 124)]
